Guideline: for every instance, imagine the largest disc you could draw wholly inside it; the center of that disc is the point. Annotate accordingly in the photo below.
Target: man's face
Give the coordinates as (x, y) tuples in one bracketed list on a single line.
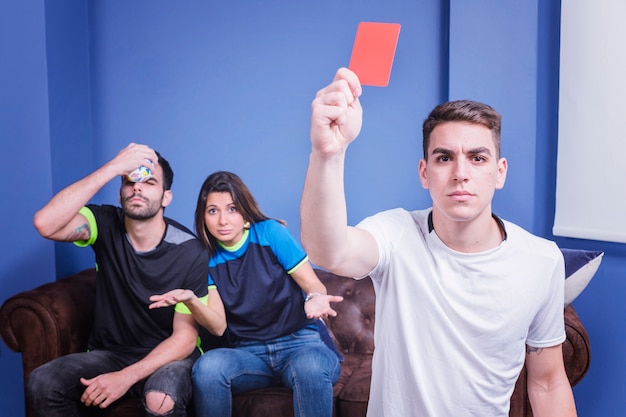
[(462, 171), (144, 200)]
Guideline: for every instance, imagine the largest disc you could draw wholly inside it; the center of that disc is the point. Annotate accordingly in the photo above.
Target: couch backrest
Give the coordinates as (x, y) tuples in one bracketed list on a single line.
[(353, 328)]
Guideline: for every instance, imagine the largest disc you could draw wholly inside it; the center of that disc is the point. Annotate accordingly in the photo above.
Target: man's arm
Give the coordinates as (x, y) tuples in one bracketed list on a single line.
[(59, 218), (329, 241), (105, 388), (549, 389)]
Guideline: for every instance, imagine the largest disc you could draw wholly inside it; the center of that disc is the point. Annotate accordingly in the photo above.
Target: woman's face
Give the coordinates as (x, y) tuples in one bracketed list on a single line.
[(222, 219)]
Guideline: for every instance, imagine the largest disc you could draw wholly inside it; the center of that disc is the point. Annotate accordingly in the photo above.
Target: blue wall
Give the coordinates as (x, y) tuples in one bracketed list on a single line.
[(228, 85), (25, 166)]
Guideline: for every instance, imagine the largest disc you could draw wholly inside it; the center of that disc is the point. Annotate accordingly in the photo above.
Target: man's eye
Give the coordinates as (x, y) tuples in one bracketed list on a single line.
[(443, 158)]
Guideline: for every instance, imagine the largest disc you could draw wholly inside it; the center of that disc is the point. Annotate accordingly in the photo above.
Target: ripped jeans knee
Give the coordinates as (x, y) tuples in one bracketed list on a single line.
[(159, 403), (168, 391)]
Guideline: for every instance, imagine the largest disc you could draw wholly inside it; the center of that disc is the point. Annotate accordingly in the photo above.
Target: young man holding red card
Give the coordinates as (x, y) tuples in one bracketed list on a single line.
[(463, 298)]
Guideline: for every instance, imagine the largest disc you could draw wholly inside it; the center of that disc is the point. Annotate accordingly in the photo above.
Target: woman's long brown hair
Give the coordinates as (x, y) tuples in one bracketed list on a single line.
[(225, 182)]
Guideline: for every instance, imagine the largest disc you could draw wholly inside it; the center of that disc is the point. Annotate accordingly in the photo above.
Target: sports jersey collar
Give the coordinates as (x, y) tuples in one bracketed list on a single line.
[(237, 245)]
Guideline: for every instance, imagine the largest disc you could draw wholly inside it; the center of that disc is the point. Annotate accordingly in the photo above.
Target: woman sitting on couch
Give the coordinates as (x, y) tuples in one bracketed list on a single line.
[(272, 299)]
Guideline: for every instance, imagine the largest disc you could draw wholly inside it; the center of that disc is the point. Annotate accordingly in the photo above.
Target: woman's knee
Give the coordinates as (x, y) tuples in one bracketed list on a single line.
[(316, 362), (210, 367)]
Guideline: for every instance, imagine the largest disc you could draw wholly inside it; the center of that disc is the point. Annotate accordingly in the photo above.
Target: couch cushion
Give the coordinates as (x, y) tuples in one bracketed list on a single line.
[(580, 267), (353, 388), (353, 328), (276, 401)]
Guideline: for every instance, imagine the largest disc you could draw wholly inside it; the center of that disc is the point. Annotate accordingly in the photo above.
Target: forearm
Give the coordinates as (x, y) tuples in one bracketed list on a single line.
[(214, 320), (64, 206), (176, 347), (211, 315), (553, 400), (316, 288), (307, 280), (323, 210)]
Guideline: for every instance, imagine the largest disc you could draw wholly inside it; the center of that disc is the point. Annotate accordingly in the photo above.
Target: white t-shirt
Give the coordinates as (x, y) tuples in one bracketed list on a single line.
[(451, 328)]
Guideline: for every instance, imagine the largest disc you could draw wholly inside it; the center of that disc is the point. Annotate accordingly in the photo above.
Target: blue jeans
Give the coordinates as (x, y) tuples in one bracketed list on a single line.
[(300, 361), (54, 389)]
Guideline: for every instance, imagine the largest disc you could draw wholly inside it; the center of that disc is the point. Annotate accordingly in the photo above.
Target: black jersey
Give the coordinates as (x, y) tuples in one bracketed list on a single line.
[(127, 278), (261, 299)]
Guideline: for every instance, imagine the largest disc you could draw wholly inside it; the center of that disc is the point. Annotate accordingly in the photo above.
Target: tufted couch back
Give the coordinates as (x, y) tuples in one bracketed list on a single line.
[(353, 327), (54, 319)]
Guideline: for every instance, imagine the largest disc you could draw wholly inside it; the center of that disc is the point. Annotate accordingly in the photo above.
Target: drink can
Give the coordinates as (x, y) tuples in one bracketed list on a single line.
[(140, 174)]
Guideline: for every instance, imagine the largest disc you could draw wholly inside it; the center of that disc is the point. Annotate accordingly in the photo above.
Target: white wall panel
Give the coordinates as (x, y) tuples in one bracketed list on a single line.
[(591, 168)]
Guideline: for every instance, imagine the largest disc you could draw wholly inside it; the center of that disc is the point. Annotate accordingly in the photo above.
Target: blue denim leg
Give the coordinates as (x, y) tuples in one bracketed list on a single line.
[(54, 389), (174, 380), (300, 361), (219, 373), (307, 366)]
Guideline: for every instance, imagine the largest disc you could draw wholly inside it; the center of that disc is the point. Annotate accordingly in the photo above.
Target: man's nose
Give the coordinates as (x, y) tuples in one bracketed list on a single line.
[(460, 170)]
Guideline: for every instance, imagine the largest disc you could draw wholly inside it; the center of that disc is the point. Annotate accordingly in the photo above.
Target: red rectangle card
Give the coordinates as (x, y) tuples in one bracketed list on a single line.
[(373, 52)]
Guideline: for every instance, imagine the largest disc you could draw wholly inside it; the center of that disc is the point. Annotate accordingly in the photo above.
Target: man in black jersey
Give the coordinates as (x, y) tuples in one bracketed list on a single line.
[(133, 350)]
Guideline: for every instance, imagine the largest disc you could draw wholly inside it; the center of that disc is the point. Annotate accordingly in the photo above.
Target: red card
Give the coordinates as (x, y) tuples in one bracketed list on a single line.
[(373, 52)]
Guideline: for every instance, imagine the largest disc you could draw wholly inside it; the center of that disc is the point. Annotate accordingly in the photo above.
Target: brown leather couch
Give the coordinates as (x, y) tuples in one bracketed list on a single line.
[(54, 320)]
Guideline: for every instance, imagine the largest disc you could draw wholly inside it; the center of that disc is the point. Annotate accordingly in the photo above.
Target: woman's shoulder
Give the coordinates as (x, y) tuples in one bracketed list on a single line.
[(268, 225), (269, 230)]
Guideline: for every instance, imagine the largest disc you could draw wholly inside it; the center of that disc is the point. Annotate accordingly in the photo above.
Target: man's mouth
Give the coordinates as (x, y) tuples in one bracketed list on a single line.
[(460, 195), (136, 197)]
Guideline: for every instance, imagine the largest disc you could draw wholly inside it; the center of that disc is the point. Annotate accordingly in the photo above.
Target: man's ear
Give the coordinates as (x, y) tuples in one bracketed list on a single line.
[(503, 166), (167, 198), (421, 169)]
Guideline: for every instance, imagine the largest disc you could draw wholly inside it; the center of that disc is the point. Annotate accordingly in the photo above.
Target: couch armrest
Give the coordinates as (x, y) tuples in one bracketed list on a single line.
[(51, 320), (576, 348)]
